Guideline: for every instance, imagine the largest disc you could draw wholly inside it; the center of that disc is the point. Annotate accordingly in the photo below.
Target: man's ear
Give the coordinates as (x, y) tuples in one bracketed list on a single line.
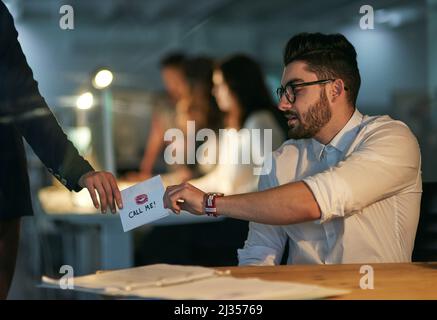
[(337, 89)]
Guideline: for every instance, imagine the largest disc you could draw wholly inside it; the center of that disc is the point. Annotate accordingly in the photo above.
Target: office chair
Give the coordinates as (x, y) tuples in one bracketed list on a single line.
[(425, 246)]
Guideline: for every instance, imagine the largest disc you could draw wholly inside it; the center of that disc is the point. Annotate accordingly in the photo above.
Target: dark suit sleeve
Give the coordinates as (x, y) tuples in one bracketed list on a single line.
[(26, 109)]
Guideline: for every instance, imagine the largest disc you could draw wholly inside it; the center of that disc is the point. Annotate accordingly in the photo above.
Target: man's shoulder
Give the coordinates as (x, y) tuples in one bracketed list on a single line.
[(372, 127), (384, 125)]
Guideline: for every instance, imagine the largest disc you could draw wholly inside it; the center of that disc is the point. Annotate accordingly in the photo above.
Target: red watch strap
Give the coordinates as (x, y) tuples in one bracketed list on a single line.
[(209, 204)]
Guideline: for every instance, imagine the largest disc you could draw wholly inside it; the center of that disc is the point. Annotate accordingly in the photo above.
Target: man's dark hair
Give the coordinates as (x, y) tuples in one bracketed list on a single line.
[(175, 59), (328, 56)]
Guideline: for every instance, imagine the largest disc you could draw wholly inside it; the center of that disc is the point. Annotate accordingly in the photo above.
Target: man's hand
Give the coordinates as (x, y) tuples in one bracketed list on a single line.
[(184, 197), (106, 186)]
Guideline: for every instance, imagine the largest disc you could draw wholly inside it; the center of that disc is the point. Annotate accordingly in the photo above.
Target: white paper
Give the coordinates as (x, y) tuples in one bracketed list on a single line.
[(164, 281), (230, 288), (143, 203), (156, 275)]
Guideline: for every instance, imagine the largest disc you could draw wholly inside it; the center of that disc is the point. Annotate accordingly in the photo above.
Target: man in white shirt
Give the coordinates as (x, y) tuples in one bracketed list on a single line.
[(345, 188)]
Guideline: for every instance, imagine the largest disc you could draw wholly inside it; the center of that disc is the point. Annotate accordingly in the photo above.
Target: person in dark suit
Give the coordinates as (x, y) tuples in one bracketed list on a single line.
[(24, 113)]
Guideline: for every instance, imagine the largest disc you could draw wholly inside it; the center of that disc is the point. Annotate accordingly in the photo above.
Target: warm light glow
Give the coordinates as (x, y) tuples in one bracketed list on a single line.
[(103, 79), (85, 101)]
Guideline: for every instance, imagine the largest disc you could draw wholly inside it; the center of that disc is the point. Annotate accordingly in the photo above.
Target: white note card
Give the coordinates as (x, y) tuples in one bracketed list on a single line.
[(143, 203)]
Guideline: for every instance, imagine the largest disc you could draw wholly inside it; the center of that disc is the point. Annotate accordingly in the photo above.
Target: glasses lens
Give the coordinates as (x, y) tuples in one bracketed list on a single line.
[(279, 93), (289, 93)]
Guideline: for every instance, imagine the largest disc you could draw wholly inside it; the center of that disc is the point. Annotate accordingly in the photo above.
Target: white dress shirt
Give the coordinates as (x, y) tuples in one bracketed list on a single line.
[(367, 183)]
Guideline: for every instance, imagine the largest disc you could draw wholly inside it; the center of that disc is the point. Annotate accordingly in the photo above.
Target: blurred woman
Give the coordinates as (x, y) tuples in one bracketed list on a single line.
[(164, 113), (198, 105), (201, 106), (241, 93), (188, 81)]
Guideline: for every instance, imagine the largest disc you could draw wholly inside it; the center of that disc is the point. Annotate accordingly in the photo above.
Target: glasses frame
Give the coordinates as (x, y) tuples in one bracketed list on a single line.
[(281, 90)]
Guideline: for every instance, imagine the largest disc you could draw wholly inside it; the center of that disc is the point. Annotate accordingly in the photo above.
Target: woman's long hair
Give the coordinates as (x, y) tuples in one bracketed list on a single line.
[(245, 79)]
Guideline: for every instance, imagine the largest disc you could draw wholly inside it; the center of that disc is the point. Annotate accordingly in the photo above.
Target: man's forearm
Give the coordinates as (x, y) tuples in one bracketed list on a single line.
[(287, 204)]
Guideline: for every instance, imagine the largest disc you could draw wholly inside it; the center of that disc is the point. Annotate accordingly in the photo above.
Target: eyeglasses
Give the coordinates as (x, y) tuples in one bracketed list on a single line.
[(290, 88)]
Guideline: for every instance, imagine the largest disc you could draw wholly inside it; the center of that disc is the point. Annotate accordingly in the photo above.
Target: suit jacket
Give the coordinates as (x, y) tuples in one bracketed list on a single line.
[(24, 113)]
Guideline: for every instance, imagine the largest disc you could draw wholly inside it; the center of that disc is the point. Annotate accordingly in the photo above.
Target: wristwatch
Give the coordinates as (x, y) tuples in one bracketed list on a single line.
[(209, 204)]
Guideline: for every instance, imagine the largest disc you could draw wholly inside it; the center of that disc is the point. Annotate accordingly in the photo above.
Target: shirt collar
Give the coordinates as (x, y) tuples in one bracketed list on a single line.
[(343, 138)]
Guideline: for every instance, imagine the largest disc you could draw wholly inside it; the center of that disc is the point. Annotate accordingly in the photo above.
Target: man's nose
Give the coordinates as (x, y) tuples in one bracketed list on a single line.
[(284, 104)]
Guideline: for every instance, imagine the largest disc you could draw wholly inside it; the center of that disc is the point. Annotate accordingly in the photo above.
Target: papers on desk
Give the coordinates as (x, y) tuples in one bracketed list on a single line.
[(143, 203), (165, 281)]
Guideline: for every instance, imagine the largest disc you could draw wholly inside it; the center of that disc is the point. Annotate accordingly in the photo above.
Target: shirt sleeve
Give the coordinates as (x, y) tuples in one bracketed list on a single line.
[(385, 163), (25, 108), (265, 243)]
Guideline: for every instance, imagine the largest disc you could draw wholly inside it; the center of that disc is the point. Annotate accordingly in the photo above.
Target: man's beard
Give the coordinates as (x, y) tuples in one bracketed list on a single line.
[(317, 116)]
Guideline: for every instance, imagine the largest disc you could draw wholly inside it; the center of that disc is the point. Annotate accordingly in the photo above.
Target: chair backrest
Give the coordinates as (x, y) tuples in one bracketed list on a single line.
[(425, 246)]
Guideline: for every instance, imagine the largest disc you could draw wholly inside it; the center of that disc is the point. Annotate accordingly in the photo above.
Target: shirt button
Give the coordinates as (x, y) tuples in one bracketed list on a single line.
[(64, 182)]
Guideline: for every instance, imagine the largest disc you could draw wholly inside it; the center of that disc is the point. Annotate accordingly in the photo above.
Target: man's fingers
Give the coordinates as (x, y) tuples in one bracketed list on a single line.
[(170, 200), (176, 208), (173, 198), (116, 192), (184, 206), (108, 192), (177, 188), (106, 186), (171, 188), (168, 204), (167, 200), (102, 195), (176, 200), (93, 195)]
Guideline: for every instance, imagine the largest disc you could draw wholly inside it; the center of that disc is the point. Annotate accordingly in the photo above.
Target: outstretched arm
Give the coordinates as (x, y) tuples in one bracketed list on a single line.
[(286, 204)]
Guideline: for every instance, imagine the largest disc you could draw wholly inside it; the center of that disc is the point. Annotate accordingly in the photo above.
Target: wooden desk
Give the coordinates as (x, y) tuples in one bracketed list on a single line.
[(391, 280)]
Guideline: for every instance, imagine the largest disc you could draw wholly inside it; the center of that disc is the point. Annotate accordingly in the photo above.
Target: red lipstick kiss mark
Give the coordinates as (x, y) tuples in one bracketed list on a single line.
[(141, 199)]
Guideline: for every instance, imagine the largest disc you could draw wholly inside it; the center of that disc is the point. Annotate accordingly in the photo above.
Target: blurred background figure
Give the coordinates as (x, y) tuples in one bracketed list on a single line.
[(242, 95), (198, 105), (164, 114), (173, 77), (188, 82)]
